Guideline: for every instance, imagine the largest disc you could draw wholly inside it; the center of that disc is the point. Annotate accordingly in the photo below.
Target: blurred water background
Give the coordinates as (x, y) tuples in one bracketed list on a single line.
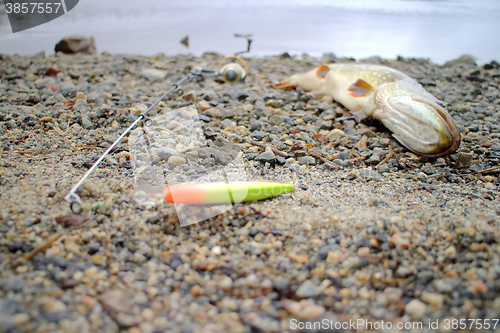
[(437, 29)]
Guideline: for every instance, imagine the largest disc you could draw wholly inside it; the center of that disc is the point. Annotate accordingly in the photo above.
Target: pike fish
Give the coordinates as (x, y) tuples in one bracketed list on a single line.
[(417, 119)]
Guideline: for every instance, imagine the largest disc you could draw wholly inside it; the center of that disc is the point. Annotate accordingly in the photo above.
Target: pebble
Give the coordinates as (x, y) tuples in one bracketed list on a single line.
[(153, 75), (311, 311), (226, 283), (308, 160), (267, 156), (432, 298), (175, 161), (400, 241), (416, 309), (165, 153), (307, 290), (252, 281), (52, 306)]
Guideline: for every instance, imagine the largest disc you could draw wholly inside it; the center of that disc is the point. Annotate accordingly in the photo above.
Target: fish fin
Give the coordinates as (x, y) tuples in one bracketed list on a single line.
[(360, 88), (284, 85), (321, 71), (290, 82)]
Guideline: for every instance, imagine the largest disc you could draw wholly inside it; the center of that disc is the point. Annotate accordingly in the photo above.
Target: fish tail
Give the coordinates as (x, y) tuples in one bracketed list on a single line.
[(290, 82)]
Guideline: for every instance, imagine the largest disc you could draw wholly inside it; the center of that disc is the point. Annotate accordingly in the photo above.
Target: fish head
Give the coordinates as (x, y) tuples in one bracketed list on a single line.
[(418, 120)]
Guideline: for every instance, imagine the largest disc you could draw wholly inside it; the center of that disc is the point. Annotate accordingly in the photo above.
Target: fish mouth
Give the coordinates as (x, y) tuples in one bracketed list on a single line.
[(419, 122), (439, 108)]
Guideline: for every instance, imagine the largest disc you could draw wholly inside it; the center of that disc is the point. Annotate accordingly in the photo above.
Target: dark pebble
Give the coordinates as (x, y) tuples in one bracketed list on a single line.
[(257, 135), (256, 126), (280, 160), (93, 247), (17, 246)]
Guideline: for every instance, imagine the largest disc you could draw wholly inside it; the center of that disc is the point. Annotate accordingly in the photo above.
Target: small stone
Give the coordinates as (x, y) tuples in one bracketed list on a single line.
[(280, 160), (422, 177), (202, 106), (195, 290), (14, 283), (21, 319), (307, 290), (344, 155), (311, 311), (138, 258), (345, 292), (228, 303), (400, 241), (374, 159), (252, 281), (175, 161), (147, 314), (267, 284), (115, 302), (373, 201), (489, 178), (369, 173), (450, 251), (52, 306), (153, 74), (464, 160), (80, 96), (308, 160), (490, 186), (416, 309), (259, 237), (226, 283), (216, 250), (363, 251), (282, 284), (226, 123), (213, 112), (165, 153), (293, 308), (275, 120), (76, 44), (258, 135), (478, 286), (432, 298), (267, 156), (256, 126)]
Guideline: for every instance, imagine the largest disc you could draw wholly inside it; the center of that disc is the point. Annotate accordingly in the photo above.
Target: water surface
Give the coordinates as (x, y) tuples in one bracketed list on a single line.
[(439, 30)]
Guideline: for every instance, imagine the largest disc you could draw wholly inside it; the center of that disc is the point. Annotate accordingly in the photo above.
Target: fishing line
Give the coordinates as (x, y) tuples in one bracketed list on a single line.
[(74, 199)]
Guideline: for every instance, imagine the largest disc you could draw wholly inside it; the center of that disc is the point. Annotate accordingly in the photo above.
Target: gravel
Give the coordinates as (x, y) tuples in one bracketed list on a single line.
[(385, 237)]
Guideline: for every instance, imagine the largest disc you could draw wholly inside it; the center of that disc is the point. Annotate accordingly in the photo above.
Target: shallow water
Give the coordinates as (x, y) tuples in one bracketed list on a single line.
[(439, 30)]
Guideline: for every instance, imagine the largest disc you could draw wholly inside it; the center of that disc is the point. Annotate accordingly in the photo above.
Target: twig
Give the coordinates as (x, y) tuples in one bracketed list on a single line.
[(58, 130), (44, 246), (388, 157), (276, 151), (18, 152), (89, 147), (335, 166), (339, 141), (354, 153)]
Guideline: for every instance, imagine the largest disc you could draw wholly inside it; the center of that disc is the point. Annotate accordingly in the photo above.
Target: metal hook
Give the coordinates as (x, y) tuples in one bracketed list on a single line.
[(75, 207)]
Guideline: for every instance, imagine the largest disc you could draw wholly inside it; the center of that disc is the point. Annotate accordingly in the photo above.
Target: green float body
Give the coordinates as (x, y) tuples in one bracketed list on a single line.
[(223, 193)]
